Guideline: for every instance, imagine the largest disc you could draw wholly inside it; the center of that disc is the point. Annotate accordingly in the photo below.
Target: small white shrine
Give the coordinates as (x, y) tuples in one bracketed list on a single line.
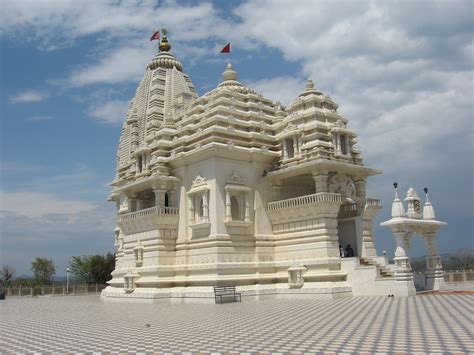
[(231, 188), (415, 222)]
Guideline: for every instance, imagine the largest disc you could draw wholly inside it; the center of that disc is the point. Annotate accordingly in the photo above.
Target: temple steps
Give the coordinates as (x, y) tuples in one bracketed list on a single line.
[(383, 270)]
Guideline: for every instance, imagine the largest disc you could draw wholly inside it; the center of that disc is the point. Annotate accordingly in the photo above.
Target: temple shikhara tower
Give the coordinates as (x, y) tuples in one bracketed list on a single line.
[(231, 188)]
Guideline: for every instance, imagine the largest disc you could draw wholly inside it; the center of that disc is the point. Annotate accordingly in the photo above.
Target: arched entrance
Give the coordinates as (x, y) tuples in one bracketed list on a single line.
[(347, 230)]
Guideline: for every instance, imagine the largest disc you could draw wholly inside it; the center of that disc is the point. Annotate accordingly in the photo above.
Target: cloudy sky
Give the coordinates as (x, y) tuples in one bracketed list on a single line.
[(401, 72)]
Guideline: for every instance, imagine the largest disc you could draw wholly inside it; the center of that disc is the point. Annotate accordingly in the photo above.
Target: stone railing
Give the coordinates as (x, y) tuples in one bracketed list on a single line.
[(348, 210), (459, 276), (372, 202), (304, 200), (148, 212), (73, 289)]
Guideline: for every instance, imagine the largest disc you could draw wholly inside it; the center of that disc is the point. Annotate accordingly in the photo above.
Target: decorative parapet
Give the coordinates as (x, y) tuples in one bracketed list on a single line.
[(373, 202), (348, 211), (304, 200), (148, 212), (149, 219), (303, 207), (371, 208)]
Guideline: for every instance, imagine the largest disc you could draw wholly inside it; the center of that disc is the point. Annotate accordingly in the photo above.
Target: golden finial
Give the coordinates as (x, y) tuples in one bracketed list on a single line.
[(164, 45)]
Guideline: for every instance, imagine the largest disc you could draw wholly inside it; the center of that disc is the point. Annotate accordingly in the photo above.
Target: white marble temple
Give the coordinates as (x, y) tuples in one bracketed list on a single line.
[(231, 188)]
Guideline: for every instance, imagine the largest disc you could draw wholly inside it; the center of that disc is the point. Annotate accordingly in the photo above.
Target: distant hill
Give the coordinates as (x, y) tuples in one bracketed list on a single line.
[(462, 259)]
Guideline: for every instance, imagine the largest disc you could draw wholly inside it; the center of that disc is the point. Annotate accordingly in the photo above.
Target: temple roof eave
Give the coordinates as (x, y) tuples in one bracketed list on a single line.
[(413, 222), (220, 150), (323, 166), (138, 185)]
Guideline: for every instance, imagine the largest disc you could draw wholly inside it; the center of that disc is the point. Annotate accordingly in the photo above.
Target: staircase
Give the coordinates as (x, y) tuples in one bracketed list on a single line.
[(383, 270)]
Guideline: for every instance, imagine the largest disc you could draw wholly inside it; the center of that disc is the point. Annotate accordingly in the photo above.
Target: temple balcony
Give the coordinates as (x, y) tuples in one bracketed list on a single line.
[(304, 207), (149, 219), (351, 210)]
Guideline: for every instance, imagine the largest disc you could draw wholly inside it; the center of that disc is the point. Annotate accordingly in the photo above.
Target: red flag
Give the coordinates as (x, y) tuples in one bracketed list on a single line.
[(226, 49), (156, 35)]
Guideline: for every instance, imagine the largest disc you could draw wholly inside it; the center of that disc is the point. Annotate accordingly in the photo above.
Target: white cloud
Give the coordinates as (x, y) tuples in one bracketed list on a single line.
[(28, 96), (37, 204), (117, 66), (56, 236), (52, 24), (284, 89), (112, 111), (398, 80), (123, 29)]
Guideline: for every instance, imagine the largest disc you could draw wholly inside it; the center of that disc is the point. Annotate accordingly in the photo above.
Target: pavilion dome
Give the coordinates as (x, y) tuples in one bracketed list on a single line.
[(164, 89), (229, 81)]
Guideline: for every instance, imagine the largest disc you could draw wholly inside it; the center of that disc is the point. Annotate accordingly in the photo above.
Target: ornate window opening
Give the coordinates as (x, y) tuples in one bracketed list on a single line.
[(291, 142), (234, 207), (141, 155), (138, 253), (237, 201), (198, 201), (140, 163), (343, 144), (200, 213), (290, 148)]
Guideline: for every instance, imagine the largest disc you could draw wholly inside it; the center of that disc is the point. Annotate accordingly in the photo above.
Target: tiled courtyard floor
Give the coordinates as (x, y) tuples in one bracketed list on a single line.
[(432, 323)]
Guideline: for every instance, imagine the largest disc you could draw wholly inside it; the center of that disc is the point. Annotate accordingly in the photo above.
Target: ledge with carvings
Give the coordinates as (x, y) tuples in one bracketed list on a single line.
[(149, 219)]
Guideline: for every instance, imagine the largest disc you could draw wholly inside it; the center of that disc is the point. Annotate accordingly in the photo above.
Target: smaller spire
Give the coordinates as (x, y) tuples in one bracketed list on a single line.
[(229, 73), (229, 77), (398, 210), (413, 201), (428, 210), (310, 89)]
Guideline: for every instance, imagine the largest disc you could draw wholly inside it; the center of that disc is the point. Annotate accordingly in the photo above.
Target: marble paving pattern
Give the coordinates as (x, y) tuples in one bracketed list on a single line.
[(434, 324)]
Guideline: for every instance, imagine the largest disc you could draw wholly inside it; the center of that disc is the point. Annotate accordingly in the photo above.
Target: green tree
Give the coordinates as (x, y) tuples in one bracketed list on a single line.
[(43, 270), (93, 269)]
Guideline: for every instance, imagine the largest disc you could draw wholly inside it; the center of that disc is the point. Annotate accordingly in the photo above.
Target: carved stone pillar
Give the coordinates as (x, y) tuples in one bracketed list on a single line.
[(368, 214), (285, 150), (360, 189), (300, 144), (172, 198), (247, 207), (276, 192), (191, 209), (320, 182), (132, 203), (338, 144), (403, 271), (295, 146), (205, 207), (159, 197), (228, 207), (434, 269)]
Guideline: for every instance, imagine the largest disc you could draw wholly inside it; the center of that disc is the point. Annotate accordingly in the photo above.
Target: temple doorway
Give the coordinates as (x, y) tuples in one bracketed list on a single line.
[(347, 233)]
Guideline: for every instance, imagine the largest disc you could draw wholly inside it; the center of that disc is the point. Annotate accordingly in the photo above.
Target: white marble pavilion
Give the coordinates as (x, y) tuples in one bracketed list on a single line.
[(231, 188)]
